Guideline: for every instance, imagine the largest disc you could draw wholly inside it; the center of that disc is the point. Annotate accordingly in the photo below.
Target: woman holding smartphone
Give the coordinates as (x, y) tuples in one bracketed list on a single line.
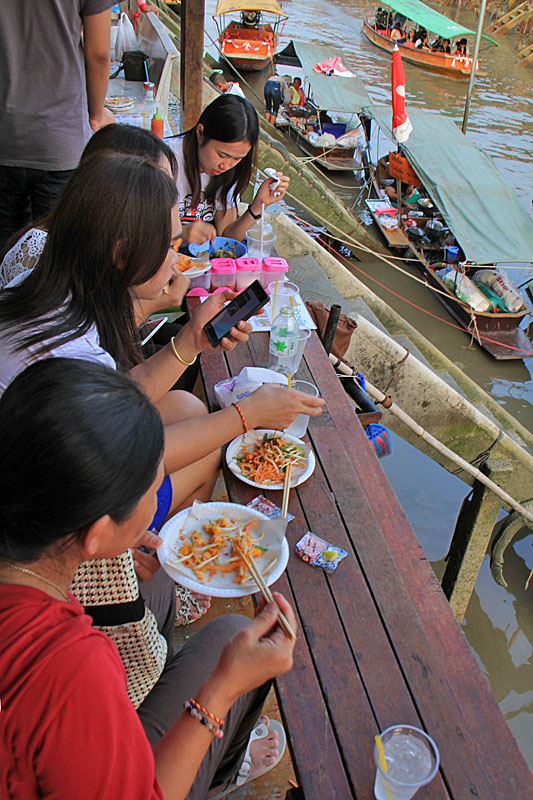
[(85, 448), (111, 240), (216, 160)]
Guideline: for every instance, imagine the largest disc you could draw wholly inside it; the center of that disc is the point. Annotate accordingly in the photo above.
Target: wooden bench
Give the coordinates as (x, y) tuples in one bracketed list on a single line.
[(378, 643)]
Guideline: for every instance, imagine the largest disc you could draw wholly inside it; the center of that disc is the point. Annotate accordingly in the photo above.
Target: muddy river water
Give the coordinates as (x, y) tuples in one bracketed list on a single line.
[(499, 622)]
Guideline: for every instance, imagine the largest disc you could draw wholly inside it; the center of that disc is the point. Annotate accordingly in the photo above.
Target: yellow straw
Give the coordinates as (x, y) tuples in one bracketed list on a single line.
[(382, 762), (274, 302), (289, 380)]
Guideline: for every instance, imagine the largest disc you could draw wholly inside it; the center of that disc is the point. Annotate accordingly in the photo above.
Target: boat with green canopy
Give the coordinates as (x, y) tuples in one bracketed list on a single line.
[(328, 91), (388, 30), (478, 207)]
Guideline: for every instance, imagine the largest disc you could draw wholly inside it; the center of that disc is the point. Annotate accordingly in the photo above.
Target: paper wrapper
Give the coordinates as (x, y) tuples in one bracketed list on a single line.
[(318, 553), (247, 381)]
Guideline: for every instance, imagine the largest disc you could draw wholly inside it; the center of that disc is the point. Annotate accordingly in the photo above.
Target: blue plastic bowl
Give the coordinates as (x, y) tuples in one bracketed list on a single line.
[(238, 249)]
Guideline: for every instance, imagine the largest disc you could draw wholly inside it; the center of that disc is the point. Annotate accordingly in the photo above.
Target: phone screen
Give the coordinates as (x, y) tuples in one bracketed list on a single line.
[(242, 307)]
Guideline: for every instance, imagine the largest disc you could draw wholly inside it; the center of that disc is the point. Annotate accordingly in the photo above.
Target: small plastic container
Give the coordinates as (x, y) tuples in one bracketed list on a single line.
[(248, 270), (452, 254), (223, 272), (200, 277), (274, 269)]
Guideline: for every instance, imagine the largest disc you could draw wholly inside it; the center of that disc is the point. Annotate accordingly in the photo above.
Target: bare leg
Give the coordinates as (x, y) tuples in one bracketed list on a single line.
[(197, 480)]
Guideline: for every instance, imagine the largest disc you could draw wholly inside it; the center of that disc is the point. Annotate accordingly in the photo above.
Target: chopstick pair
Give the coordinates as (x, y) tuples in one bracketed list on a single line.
[(265, 591)]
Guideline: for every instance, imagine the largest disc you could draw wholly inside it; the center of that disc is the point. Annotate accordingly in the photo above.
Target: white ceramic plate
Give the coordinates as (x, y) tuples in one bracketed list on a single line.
[(118, 103), (234, 449), (219, 585)]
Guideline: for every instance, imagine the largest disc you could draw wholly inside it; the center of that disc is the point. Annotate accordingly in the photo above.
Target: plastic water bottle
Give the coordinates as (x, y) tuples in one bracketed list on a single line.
[(284, 342)]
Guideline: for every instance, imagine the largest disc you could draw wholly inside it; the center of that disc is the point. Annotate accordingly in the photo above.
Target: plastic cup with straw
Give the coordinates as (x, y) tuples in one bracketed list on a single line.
[(413, 761), (382, 762)]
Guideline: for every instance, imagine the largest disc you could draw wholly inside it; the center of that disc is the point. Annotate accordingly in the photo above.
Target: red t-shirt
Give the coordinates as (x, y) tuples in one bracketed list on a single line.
[(67, 727)]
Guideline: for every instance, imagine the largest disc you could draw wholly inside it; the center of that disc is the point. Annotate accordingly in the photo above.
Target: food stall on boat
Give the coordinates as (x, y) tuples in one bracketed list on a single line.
[(332, 143), (453, 65), (249, 42), (468, 227)]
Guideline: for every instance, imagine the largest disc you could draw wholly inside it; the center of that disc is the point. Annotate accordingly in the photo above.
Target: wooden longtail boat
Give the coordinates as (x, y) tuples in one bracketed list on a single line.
[(481, 211), (344, 95), (455, 66), (249, 43)]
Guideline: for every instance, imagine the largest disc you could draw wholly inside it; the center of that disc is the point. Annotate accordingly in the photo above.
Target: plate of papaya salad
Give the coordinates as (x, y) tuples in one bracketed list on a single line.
[(260, 458), (200, 548)]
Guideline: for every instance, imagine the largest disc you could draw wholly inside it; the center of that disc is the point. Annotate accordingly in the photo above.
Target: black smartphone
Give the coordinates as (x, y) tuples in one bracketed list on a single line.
[(247, 303)]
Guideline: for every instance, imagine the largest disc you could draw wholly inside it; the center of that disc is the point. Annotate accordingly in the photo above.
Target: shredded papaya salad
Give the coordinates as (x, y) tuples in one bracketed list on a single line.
[(211, 551), (265, 461)]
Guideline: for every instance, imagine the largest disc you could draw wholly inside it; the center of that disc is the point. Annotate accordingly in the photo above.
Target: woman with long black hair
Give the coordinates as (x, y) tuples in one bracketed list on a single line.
[(216, 160), (84, 447)]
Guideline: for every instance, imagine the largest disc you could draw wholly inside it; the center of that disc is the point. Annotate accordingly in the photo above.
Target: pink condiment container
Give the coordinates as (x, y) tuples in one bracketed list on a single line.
[(274, 268), (223, 273), (248, 270)]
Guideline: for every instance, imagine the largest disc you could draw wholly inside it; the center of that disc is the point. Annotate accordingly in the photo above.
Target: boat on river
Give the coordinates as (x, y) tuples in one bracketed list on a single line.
[(475, 209), (250, 41), (331, 144), (379, 33)]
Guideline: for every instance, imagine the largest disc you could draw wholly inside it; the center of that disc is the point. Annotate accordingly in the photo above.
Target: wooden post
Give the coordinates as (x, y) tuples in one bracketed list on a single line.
[(191, 67), (471, 537)]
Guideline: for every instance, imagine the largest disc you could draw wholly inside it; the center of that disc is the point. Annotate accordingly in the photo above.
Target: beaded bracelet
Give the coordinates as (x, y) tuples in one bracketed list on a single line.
[(203, 720), (197, 705), (241, 415), (180, 359)]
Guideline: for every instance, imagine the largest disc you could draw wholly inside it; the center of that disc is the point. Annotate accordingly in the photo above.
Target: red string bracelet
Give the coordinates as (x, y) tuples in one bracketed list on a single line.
[(241, 415)]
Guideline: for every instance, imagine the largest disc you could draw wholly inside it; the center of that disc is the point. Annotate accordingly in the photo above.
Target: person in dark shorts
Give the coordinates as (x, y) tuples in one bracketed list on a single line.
[(276, 92)]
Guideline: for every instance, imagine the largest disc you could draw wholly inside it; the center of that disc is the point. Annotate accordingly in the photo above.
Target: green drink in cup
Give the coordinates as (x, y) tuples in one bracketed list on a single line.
[(412, 760)]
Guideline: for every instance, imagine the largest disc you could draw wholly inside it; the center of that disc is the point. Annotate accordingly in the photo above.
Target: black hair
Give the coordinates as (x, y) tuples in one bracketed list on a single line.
[(229, 118), (133, 141), (117, 138), (217, 77), (79, 441), (110, 231)]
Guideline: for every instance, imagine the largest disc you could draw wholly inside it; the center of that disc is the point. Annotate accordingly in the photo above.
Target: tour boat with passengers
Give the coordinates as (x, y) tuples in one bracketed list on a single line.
[(389, 29), (249, 42)]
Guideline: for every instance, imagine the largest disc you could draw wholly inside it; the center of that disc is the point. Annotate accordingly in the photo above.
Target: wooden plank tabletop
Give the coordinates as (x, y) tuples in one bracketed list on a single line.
[(378, 644)]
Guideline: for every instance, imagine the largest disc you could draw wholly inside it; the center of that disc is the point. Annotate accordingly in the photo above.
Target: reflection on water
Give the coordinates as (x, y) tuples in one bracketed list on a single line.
[(499, 623)]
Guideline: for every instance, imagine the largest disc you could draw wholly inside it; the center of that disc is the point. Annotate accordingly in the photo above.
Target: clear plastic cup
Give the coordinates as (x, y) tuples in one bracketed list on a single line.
[(282, 293), (412, 761), (303, 336), (298, 426)]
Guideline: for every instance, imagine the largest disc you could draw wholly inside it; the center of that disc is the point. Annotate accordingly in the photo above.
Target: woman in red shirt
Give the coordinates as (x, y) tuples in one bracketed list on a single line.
[(83, 448)]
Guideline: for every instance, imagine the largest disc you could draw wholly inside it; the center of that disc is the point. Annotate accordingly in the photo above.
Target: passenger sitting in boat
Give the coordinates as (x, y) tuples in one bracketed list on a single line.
[(84, 446), (297, 93), (382, 19), (447, 48), (411, 37), (251, 18), (438, 45), (422, 43), (397, 36), (420, 33), (461, 48), (216, 159), (410, 194), (324, 117)]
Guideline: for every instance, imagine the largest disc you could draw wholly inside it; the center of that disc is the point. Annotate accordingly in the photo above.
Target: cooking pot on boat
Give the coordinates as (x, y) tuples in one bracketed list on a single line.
[(435, 230)]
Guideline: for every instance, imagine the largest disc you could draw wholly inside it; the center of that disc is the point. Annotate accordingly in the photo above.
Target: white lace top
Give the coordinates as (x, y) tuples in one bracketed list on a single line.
[(23, 255)]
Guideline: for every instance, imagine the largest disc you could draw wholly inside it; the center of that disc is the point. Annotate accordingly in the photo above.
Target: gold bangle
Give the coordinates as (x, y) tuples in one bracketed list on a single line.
[(180, 359)]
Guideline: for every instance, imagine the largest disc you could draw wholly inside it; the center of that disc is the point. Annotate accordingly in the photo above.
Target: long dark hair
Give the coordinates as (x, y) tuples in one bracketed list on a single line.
[(110, 231), (229, 118), (82, 441), (127, 139)]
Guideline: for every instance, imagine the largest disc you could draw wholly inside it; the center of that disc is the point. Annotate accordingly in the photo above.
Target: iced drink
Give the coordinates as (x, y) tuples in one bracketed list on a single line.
[(412, 761), (299, 426)]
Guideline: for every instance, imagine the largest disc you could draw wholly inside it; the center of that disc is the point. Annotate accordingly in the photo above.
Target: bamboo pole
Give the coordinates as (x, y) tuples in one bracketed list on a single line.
[(431, 440)]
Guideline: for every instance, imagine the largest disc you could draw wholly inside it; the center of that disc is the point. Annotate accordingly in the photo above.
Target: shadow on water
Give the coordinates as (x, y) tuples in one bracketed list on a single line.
[(499, 622)]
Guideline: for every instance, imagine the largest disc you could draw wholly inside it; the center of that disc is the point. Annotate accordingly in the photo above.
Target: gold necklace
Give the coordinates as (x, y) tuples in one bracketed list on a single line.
[(35, 575)]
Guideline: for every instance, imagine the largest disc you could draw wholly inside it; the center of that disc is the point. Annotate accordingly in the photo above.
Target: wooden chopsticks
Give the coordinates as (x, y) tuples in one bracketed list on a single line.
[(265, 591), (286, 489)]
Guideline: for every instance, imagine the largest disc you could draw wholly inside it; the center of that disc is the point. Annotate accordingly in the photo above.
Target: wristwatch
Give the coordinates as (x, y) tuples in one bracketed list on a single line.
[(255, 216)]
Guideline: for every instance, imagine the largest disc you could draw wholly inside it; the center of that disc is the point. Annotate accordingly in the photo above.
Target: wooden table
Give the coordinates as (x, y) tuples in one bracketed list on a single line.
[(378, 643)]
